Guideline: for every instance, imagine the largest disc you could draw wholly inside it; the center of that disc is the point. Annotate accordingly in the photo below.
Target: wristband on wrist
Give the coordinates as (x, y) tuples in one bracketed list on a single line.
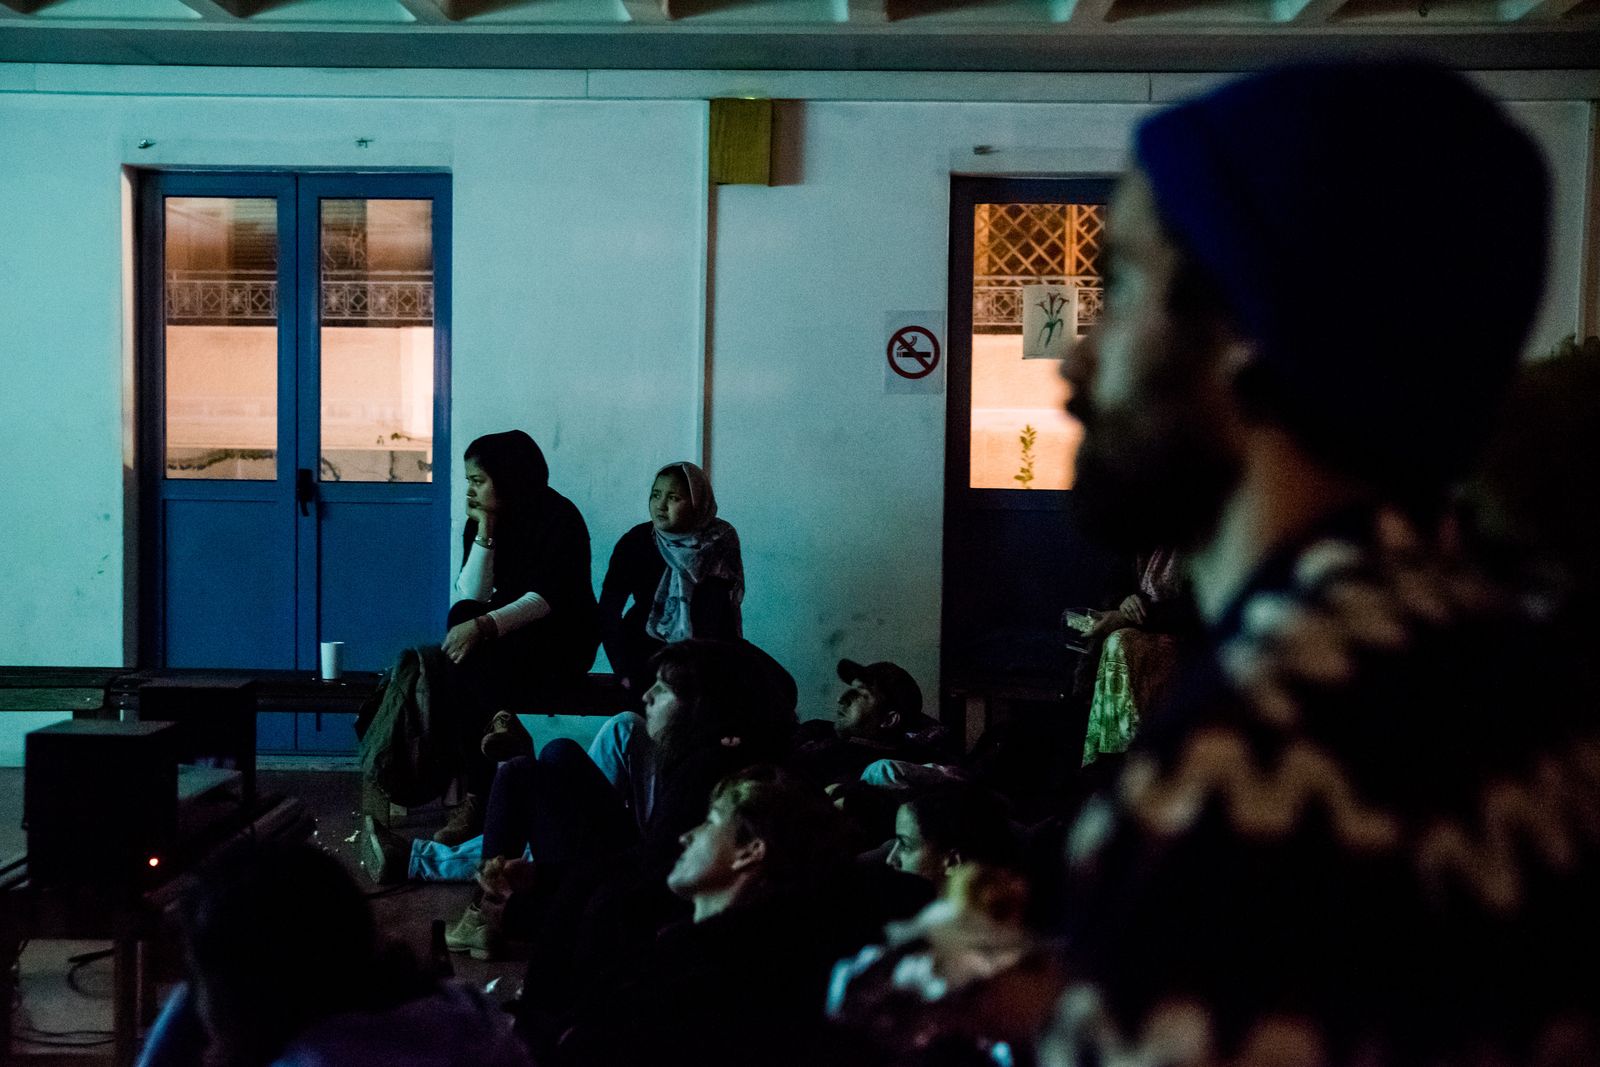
[(487, 627)]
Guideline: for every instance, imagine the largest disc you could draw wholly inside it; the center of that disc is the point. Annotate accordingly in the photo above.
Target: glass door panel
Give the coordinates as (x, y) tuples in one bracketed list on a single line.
[(220, 313), (1035, 287), (293, 385), (376, 339)]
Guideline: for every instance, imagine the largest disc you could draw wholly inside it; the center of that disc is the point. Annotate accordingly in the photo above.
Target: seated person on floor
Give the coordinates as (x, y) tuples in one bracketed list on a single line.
[(879, 717), (525, 622), (622, 749), (742, 980), (947, 826), (707, 715), (286, 967), (622, 745), (682, 571), (1132, 651), (966, 981)]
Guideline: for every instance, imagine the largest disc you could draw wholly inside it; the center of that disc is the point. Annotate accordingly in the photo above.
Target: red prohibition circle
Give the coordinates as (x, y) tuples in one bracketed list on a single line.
[(902, 346)]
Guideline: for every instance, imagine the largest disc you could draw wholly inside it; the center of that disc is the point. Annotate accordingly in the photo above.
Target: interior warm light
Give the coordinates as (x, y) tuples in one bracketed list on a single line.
[(155, 861)]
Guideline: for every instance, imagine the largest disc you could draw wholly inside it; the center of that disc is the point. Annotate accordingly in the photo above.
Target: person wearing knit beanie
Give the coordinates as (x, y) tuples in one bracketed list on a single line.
[(1363, 244), (1361, 829)]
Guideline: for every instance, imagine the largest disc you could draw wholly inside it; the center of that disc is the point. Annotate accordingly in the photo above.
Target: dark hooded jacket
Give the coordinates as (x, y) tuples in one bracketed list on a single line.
[(541, 546)]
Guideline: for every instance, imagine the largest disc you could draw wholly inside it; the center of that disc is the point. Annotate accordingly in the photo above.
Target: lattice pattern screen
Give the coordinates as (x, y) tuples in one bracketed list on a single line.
[(1014, 244)]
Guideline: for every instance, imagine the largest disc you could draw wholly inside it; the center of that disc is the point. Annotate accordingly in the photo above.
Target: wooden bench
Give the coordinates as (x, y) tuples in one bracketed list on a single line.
[(80, 691), (112, 692)]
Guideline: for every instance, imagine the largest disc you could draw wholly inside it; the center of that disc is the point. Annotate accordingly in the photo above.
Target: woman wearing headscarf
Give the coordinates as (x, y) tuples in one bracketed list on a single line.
[(681, 570)]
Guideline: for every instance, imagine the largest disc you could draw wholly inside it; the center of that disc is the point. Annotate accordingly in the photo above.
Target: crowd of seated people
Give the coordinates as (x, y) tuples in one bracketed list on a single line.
[(1361, 827), (525, 628)]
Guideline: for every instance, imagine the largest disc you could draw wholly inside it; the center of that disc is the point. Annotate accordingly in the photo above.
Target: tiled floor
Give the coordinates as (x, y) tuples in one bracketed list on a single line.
[(50, 1003)]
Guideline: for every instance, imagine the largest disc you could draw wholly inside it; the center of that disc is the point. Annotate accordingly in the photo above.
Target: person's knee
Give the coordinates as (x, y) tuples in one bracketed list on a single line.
[(562, 750), (513, 771), (622, 721)]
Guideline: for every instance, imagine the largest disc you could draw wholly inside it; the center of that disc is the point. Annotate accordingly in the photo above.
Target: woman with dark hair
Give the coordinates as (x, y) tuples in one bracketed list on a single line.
[(937, 831), (524, 623), (711, 711), (526, 616)]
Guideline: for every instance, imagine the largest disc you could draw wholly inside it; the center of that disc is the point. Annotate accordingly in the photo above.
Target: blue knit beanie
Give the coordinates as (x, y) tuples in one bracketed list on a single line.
[(1379, 231)]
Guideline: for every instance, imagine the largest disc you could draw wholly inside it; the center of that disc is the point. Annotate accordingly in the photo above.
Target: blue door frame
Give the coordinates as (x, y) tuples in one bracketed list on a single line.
[(238, 573)]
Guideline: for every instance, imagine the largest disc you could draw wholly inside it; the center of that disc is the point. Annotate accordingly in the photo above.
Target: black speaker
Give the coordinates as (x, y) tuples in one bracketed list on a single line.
[(216, 718), (100, 802)]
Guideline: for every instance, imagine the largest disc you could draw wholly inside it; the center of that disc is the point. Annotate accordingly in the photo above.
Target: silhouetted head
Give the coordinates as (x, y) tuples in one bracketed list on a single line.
[(276, 941), (766, 832), (506, 473), (879, 702), (709, 694), (1292, 251), (943, 828)]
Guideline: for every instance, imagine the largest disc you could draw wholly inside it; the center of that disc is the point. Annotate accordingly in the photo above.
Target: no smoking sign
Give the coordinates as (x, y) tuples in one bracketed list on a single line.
[(914, 356)]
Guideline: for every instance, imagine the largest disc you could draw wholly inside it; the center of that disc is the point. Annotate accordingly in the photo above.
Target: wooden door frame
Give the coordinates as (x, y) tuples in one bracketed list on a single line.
[(966, 192)]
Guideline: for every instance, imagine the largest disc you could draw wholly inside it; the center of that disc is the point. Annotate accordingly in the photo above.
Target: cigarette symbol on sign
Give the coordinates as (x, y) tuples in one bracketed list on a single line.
[(913, 352)]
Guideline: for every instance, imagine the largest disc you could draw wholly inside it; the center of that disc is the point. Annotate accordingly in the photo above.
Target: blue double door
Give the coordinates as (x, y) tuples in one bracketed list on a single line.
[(295, 447)]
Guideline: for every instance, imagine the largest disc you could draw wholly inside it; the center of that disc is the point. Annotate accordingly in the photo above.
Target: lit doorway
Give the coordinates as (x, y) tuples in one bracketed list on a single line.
[(1024, 281)]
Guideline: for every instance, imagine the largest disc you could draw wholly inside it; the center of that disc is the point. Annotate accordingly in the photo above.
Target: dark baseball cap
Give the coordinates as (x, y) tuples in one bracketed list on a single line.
[(895, 689)]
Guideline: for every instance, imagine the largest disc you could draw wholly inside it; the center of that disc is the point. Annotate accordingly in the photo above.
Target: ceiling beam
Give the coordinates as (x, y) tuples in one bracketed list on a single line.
[(651, 11), (1570, 44), (427, 12), (1547, 10), (1316, 12), (866, 12), (1091, 12), (223, 10)]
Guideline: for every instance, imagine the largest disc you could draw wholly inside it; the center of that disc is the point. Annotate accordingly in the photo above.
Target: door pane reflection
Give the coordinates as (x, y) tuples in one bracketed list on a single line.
[(220, 296), (1045, 257), (377, 340)]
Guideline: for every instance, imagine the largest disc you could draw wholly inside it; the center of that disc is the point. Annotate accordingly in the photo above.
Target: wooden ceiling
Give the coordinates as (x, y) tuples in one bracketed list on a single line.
[(959, 35)]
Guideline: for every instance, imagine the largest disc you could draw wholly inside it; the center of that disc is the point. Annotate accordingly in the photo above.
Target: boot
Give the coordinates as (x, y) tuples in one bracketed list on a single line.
[(374, 801), (385, 855), (476, 933), (507, 738), (465, 822)]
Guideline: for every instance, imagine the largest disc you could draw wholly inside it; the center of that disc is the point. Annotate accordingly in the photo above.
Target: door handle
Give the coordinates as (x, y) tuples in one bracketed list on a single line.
[(305, 490)]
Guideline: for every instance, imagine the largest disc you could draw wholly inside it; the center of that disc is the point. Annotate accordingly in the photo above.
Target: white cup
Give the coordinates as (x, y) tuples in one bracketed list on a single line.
[(332, 660)]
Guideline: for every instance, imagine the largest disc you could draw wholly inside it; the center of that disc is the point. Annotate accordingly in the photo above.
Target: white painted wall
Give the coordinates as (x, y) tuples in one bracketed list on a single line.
[(578, 287), (580, 306), (837, 488)]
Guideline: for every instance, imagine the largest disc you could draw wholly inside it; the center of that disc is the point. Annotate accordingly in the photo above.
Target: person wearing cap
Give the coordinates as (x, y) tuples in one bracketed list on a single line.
[(879, 717), (1363, 827)]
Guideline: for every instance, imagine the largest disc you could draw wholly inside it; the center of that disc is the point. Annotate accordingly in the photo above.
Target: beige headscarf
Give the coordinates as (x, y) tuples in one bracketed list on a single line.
[(708, 549)]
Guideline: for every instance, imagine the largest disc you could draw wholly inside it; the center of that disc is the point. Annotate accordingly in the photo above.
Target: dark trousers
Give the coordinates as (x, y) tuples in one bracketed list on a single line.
[(560, 805), (514, 672)]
